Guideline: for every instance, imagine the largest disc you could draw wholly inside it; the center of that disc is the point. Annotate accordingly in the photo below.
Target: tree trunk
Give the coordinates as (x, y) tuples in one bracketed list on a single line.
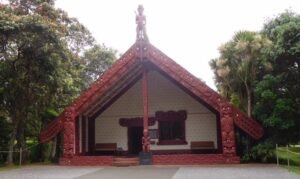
[(249, 101), (21, 134), (53, 148), (21, 138), (10, 156), (249, 105)]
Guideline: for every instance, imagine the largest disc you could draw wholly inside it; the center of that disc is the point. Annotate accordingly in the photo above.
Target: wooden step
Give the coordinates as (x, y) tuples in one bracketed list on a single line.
[(126, 158), (125, 161)]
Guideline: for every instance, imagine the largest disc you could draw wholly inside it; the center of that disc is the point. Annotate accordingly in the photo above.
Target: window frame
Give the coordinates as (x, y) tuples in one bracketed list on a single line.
[(178, 116)]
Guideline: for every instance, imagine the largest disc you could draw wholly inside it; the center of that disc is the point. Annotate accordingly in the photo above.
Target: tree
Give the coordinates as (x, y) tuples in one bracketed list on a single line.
[(31, 53), (237, 70), (96, 60), (277, 94), (238, 66), (41, 64)]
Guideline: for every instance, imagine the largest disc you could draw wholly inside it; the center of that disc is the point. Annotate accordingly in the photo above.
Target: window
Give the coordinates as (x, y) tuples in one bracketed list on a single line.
[(171, 126)]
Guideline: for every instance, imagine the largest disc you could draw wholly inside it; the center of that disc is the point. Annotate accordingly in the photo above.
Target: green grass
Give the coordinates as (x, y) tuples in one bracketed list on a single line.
[(285, 155), (293, 169), (294, 158), (295, 149), (11, 167)]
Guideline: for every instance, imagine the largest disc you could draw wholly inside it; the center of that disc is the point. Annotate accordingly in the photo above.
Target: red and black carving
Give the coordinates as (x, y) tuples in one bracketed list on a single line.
[(227, 130), (135, 122), (161, 116), (69, 133)]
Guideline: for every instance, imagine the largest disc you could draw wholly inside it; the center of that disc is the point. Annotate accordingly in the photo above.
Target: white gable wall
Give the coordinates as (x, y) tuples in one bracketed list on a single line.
[(163, 96)]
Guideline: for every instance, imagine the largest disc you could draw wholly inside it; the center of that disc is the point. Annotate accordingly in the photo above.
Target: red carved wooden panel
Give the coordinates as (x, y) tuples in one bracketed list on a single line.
[(135, 122), (171, 115), (252, 127), (51, 130), (69, 133), (227, 129)]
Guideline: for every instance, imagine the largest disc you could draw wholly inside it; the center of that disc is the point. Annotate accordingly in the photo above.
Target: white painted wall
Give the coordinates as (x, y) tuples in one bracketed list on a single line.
[(163, 96)]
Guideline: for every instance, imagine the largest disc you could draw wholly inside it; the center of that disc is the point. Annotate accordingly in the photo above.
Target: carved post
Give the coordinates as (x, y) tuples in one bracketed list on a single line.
[(69, 133), (227, 128), (146, 139)]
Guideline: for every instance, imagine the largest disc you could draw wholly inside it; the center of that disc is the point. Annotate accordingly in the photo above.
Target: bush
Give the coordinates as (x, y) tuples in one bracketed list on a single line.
[(263, 152)]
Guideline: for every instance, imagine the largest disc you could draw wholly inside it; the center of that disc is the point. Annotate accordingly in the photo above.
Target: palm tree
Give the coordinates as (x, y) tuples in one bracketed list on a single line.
[(236, 68)]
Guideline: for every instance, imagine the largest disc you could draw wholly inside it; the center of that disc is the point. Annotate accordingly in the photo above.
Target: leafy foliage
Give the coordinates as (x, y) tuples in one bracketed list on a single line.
[(238, 66), (46, 59), (264, 67), (263, 152), (277, 94), (96, 60)]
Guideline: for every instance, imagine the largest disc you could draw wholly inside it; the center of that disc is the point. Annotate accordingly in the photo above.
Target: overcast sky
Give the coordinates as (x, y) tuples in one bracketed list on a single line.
[(188, 31)]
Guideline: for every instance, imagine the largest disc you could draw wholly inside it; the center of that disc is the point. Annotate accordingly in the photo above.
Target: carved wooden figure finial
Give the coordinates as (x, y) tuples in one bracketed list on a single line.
[(140, 20)]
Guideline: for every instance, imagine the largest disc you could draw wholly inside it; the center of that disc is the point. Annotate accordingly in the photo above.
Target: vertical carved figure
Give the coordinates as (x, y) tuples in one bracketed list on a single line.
[(146, 138), (69, 133), (227, 128), (140, 20)]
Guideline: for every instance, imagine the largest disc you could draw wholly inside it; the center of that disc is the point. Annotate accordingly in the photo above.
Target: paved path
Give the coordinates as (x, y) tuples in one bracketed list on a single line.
[(235, 172), (46, 172), (243, 171), (140, 172)]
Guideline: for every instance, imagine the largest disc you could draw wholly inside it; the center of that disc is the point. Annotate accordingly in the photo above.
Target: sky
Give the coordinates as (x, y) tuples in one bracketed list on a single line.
[(188, 31)]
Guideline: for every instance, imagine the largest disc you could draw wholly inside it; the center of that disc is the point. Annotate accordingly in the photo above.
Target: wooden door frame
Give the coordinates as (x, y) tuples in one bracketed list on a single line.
[(129, 138)]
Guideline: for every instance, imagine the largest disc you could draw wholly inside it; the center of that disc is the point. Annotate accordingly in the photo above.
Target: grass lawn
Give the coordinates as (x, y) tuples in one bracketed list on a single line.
[(294, 158), (284, 155), (3, 167), (293, 169)]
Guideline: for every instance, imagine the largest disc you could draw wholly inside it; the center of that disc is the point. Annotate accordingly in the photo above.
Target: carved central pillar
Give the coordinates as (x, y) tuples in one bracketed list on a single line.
[(146, 138)]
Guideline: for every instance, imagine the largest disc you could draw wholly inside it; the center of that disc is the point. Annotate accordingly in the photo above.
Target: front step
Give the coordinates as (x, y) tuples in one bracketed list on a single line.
[(125, 161)]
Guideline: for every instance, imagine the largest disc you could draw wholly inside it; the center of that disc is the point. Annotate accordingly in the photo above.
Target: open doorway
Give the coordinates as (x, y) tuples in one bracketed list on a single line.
[(135, 135)]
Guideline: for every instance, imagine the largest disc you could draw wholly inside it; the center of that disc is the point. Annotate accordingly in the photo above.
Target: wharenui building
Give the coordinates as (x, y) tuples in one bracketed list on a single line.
[(147, 109)]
